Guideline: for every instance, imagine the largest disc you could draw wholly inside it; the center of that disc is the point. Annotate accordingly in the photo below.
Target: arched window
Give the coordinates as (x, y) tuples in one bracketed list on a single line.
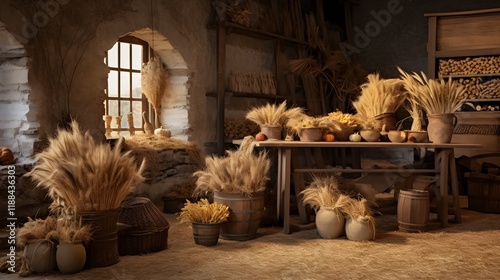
[(123, 93)]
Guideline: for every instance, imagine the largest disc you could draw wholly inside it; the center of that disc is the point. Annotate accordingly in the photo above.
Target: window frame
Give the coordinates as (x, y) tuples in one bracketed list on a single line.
[(146, 50)]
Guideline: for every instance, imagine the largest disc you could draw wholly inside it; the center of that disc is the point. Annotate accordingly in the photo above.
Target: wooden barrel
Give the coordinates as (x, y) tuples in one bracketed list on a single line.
[(413, 210), (245, 213)]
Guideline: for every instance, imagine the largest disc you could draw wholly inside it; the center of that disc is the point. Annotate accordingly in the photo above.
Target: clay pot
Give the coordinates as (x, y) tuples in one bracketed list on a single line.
[(40, 255), (440, 128), (359, 229), (417, 136), (271, 132), (397, 136), (70, 256), (329, 222), (370, 135), (311, 134)]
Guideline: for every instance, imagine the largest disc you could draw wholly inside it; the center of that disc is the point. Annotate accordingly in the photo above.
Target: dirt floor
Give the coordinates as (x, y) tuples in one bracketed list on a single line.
[(470, 250)]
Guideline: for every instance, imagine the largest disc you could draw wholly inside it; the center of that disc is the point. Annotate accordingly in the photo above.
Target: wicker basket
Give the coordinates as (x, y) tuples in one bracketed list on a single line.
[(148, 230), (483, 192), (344, 132)]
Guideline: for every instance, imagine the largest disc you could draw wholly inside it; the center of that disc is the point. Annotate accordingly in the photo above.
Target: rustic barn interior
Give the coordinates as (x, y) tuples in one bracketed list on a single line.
[(117, 116)]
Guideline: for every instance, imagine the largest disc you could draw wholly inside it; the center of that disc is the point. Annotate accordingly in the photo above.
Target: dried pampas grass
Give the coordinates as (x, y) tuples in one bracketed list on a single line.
[(203, 212), (82, 175), (240, 171), (435, 96), (272, 114), (153, 77)]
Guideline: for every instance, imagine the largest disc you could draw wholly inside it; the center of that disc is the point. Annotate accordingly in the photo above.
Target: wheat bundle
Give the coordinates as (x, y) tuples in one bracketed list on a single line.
[(73, 231), (36, 229), (153, 77), (272, 115), (435, 96), (321, 192), (203, 212), (358, 210), (379, 96), (82, 175), (240, 171)]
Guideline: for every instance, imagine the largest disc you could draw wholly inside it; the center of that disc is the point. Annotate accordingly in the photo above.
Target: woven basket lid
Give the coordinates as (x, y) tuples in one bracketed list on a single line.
[(142, 215)]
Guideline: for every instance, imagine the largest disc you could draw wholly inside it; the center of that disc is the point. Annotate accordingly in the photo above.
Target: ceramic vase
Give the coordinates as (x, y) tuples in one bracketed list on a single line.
[(329, 222), (70, 256), (359, 229), (440, 128)]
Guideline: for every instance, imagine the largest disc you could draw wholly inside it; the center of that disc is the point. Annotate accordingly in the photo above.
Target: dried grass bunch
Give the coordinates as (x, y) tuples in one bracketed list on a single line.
[(321, 192), (82, 175), (435, 96), (416, 113), (358, 210), (203, 212), (273, 115), (37, 229), (153, 77), (302, 121), (73, 231), (240, 171)]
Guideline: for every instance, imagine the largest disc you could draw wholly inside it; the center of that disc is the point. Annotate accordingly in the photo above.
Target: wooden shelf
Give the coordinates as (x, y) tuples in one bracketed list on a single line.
[(483, 100), (465, 53), (255, 33), (471, 75), (249, 95)]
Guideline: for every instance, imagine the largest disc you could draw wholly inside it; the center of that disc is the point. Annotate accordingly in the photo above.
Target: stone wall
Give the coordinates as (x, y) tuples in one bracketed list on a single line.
[(18, 125)]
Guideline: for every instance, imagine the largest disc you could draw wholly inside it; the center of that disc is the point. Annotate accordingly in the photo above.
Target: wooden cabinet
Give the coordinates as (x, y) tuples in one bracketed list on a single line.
[(466, 47), (223, 31)]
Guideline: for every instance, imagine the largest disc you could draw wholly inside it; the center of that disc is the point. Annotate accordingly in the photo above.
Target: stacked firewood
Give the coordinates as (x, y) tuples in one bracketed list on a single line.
[(237, 129), (477, 88), (470, 66)]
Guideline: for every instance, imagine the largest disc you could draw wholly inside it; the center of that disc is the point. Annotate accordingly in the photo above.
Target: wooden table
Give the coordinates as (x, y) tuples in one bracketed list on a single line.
[(444, 168)]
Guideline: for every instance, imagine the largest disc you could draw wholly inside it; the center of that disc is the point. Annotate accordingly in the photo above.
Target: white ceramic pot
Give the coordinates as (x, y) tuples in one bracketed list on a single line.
[(359, 229), (329, 222), (271, 132), (71, 257)]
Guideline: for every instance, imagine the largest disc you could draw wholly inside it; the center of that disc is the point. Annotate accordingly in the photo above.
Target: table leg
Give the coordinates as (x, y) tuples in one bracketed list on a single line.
[(285, 180), (279, 185), (442, 158), (454, 188)]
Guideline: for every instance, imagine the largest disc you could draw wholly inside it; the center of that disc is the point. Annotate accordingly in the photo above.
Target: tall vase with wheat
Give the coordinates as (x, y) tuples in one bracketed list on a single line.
[(440, 99)]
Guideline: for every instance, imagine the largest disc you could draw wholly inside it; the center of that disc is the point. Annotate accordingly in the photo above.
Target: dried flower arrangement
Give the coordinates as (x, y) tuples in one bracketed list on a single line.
[(378, 96), (37, 229), (203, 212), (73, 231), (82, 175), (153, 76), (435, 96), (240, 171), (273, 115)]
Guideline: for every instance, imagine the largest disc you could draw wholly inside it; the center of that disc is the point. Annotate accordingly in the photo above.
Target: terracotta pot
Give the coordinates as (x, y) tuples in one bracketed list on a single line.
[(440, 128), (311, 134), (329, 222), (357, 230), (70, 256), (271, 132), (397, 136), (40, 255)]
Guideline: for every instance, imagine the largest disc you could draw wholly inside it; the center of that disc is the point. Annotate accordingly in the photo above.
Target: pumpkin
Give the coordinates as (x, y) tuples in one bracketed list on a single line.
[(328, 137), (355, 137), (6, 156), (260, 137), (163, 132)]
